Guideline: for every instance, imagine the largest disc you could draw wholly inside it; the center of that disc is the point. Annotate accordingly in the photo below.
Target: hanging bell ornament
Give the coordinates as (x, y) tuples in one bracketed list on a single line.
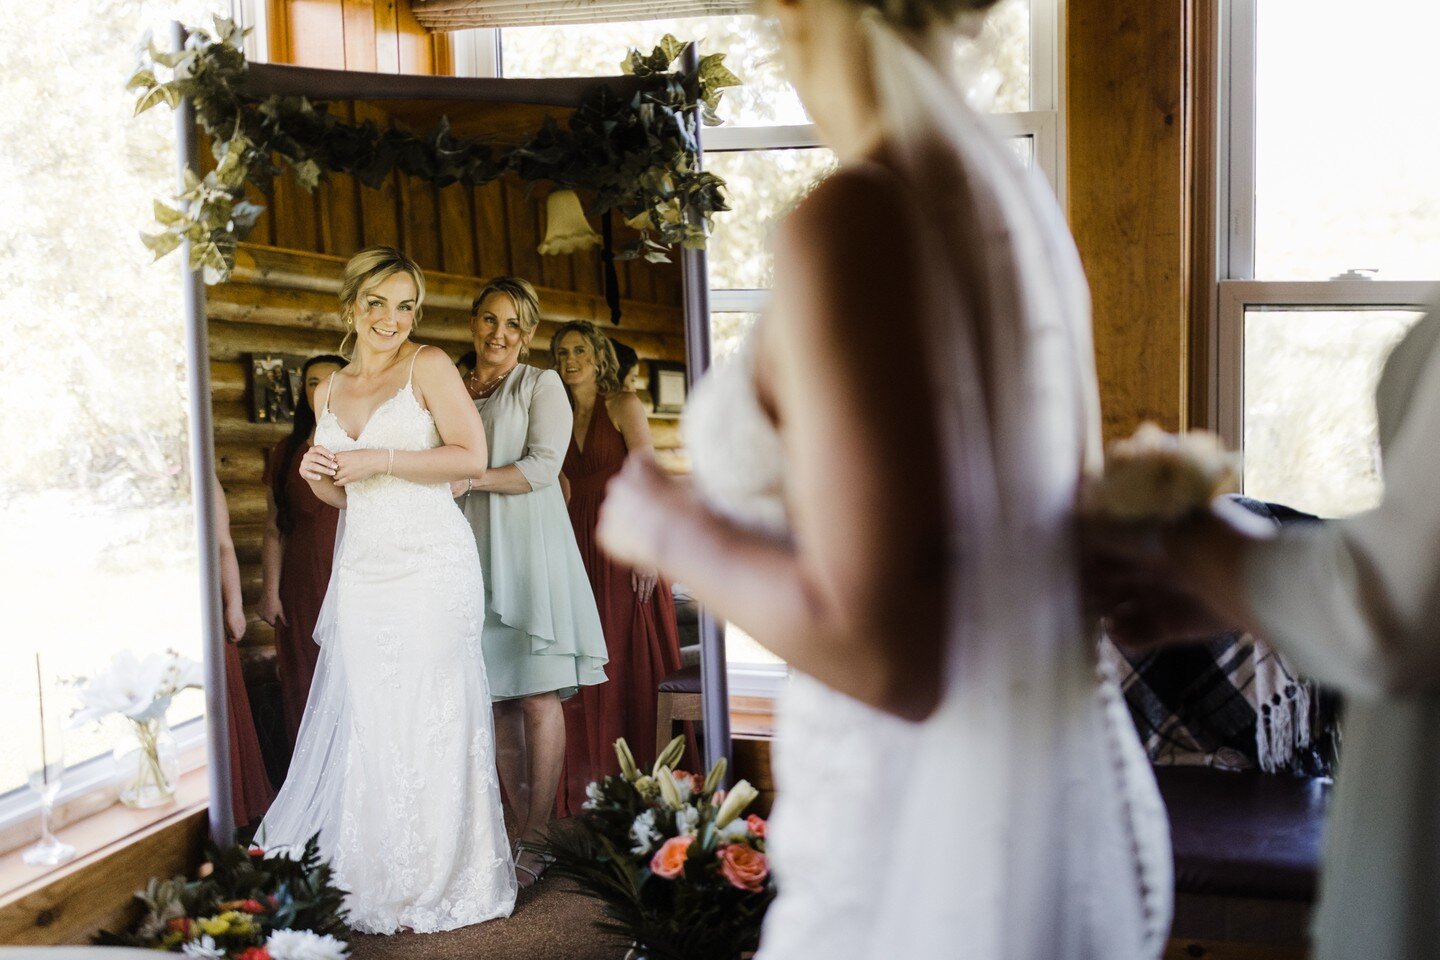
[(566, 229)]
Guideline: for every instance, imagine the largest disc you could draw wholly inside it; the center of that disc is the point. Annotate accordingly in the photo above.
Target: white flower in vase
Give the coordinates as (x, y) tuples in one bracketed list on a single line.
[(644, 833), (140, 690), (305, 945)]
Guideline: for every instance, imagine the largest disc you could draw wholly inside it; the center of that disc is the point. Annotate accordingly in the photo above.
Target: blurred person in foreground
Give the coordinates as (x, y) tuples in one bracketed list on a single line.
[(885, 481), (1355, 604)]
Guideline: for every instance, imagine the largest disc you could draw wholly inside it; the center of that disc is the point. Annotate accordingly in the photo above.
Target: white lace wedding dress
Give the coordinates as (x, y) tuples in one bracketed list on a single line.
[(1022, 821), (395, 762)]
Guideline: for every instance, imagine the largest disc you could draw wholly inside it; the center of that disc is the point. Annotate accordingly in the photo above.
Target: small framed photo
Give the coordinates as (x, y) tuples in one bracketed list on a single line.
[(667, 387), (275, 387)]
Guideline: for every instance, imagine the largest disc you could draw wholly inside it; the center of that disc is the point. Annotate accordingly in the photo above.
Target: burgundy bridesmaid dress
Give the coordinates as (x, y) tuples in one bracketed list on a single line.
[(309, 552), (642, 638), (250, 790)]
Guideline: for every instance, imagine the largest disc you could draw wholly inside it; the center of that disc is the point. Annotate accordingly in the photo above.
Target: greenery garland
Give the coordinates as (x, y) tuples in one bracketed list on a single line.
[(638, 155)]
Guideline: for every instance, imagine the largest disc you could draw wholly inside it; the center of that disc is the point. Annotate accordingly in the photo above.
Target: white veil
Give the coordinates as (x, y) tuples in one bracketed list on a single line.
[(1027, 825)]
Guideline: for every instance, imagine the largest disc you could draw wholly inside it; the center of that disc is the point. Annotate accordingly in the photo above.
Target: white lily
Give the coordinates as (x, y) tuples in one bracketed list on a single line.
[(137, 688), (740, 796)]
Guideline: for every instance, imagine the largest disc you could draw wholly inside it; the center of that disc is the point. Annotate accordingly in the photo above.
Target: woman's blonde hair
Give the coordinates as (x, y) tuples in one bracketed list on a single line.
[(527, 304), (369, 267), (607, 365)]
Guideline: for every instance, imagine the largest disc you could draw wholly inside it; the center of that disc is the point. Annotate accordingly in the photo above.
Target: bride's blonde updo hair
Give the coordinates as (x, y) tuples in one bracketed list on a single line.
[(921, 15)]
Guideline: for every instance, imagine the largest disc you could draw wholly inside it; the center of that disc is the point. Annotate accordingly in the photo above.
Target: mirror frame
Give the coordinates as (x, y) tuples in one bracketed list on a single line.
[(264, 79)]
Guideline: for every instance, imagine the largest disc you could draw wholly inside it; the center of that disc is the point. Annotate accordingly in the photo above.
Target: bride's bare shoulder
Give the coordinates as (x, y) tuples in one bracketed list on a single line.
[(860, 214)]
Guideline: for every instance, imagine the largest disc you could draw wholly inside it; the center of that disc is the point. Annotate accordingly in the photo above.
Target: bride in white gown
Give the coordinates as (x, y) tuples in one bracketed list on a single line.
[(885, 483), (395, 762)]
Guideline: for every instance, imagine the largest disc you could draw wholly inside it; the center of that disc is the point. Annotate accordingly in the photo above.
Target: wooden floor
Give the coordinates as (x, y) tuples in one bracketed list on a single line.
[(551, 922)]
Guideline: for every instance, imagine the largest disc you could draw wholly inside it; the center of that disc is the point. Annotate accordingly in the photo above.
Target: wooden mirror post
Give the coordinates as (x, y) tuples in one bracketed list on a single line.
[(714, 678)]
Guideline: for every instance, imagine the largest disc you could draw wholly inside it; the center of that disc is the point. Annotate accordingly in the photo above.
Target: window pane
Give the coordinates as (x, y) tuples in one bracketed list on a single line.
[(97, 548), (1024, 148), (1310, 377), (727, 332), (597, 50), (1345, 144), (1001, 56), (763, 185)]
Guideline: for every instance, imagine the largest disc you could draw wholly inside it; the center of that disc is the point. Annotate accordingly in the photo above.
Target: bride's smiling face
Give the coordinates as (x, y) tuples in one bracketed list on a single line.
[(499, 334), (385, 313)]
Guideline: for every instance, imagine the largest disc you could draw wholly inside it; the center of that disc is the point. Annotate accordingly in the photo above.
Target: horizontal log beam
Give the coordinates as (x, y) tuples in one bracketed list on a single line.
[(274, 267)]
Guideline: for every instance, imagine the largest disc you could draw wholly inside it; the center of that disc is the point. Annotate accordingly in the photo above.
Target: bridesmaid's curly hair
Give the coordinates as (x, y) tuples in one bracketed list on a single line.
[(607, 366)]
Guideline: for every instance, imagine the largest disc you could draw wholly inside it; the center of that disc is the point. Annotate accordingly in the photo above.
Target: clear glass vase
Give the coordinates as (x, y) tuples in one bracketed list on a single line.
[(147, 763)]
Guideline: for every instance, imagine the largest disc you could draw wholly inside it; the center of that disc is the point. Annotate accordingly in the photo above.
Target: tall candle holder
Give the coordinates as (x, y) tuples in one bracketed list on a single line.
[(45, 762)]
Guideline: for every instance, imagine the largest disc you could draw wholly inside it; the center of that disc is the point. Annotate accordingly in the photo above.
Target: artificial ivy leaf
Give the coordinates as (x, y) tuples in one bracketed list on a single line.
[(715, 75), (307, 174), (142, 77), (160, 243), (673, 48), (160, 94), (167, 215)]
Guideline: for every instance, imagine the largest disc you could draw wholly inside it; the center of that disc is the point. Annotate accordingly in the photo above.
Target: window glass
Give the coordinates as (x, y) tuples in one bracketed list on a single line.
[(999, 57), (1345, 147), (598, 49), (727, 332), (97, 550), (762, 186), (1310, 431)]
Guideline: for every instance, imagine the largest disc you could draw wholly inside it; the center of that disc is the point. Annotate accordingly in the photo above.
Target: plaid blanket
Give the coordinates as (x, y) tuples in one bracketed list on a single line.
[(1231, 702)]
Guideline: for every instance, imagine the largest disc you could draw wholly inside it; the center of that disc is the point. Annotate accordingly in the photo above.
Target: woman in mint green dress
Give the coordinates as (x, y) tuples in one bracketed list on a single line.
[(542, 638)]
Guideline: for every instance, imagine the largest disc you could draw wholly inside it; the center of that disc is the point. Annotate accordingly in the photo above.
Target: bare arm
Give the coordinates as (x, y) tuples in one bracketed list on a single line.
[(272, 552), (856, 599), (628, 414), (230, 593), (317, 467)]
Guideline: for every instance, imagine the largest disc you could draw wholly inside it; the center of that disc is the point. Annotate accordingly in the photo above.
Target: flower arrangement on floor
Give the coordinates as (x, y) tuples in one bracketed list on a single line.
[(253, 905), (682, 874), (140, 690)]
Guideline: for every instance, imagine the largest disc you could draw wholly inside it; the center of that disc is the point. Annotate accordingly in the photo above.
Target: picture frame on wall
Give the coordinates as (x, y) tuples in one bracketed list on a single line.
[(667, 387), (275, 386)]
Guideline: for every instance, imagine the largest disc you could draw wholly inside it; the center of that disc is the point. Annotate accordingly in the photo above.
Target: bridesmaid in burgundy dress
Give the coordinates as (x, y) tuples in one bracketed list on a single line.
[(298, 551), (637, 612), (250, 790)]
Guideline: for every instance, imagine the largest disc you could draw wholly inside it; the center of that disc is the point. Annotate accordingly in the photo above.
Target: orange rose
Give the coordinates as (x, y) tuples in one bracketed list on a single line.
[(756, 823), (181, 925), (669, 860), (744, 866), (254, 953)]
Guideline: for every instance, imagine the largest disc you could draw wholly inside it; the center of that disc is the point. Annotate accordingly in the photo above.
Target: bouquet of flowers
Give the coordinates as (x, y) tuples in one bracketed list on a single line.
[(682, 874), (1159, 477), (140, 690), (251, 906)]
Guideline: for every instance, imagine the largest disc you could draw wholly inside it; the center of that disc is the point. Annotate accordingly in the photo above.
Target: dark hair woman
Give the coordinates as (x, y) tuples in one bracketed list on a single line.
[(298, 551)]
